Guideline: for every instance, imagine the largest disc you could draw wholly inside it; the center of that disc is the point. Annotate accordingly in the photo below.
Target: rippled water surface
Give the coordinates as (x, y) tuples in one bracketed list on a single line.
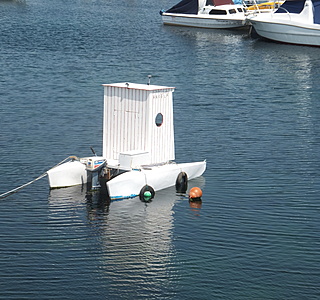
[(250, 107)]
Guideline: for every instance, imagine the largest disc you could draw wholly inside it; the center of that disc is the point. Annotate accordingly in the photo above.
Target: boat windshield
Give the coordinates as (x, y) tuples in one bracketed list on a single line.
[(291, 6), (185, 7), (316, 13)]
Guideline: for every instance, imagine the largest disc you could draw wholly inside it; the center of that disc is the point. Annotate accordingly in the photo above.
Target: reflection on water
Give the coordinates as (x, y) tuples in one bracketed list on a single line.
[(98, 205), (195, 204), (137, 240), (131, 239)]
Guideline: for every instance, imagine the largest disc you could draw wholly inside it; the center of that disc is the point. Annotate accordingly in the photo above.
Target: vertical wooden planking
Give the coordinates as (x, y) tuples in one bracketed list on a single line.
[(129, 121)]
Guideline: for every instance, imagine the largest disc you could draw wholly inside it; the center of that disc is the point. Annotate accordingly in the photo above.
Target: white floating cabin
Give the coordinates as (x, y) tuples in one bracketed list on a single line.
[(138, 146)]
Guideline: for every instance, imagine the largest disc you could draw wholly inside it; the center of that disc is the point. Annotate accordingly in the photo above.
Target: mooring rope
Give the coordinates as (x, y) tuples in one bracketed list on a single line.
[(34, 180)]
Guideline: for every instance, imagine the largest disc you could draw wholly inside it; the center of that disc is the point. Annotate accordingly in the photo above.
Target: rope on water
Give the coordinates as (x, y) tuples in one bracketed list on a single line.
[(34, 180)]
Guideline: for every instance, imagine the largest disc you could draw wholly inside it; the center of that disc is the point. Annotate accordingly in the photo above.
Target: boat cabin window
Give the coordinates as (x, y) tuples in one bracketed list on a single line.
[(239, 9), (159, 119), (217, 12), (232, 11)]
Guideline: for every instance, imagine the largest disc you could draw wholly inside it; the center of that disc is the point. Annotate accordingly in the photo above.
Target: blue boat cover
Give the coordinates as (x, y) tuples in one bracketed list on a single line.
[(316, 11), (185, 7), (291, 6)]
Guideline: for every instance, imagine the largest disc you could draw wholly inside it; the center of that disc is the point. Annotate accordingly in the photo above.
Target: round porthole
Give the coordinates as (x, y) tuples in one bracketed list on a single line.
[(159, 119)]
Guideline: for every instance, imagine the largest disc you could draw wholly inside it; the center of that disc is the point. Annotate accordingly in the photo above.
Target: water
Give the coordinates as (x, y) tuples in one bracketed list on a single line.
[(250, 107)]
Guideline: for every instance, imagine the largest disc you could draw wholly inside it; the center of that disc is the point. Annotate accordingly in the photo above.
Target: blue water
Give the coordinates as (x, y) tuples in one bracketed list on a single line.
[(250, 107)]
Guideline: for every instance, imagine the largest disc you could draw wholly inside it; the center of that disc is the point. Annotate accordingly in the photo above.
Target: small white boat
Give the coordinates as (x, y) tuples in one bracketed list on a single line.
[(294, 22), (215, 14), (138, 147)]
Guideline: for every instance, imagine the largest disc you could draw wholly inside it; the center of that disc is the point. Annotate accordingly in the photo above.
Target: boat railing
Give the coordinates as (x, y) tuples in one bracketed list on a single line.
[(286, 11), (261, 6)]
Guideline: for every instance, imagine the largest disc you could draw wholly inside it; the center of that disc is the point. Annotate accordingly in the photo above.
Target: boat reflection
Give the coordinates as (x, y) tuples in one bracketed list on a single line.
[(128, 236), (202, 38), (98, 203), (195, 204)]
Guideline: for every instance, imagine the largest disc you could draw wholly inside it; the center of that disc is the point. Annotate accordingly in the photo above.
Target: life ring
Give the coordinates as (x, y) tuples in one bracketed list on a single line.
[(147, 193), (182, 182)]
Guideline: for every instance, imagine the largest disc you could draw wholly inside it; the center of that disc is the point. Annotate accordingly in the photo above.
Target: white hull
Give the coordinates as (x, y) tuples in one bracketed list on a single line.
[(288, 33), (129, 184), (203, 21), (68, 174), (295, 22)]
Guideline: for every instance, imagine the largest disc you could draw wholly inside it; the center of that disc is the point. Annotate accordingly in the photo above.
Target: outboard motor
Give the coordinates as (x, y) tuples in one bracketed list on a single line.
[(94, 166)]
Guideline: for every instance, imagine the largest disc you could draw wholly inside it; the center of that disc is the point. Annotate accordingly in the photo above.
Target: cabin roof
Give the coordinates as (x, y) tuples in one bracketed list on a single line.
[(138, 86)]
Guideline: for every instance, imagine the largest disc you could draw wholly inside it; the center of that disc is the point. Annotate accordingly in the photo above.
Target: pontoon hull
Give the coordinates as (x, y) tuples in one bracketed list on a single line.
[(129, 184), (68, 174)]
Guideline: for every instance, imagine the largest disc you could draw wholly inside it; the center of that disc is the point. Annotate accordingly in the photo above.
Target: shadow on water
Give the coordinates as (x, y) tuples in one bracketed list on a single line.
[(99, 203)]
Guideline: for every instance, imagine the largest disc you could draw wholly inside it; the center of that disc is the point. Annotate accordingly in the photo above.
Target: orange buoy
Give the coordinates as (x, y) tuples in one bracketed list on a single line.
[(195, 193)]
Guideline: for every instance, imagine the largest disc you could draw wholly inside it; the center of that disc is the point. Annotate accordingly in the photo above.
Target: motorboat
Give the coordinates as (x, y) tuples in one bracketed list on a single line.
[(294, 22), (138, 156), (215, 14)]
